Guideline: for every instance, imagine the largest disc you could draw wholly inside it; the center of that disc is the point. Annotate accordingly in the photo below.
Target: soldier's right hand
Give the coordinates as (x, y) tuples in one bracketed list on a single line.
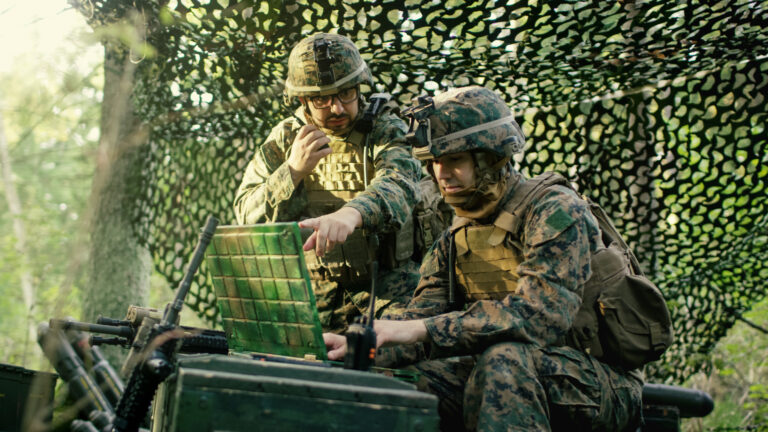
[(306, 151), (406, 332)]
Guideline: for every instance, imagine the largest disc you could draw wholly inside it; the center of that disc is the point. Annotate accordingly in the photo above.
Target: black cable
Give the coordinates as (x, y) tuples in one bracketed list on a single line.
[(452, 272)]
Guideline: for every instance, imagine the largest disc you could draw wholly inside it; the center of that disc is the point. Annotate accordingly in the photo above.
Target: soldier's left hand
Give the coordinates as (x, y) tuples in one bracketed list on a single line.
[(336, 345), (331, 229)]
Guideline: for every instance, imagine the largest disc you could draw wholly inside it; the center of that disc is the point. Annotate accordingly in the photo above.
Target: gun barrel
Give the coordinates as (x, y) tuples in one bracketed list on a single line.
[(97, 365), (62, 356), (691, 403), (122, 331), (112, 321), (171, 314), (98, 340), (147, 375)]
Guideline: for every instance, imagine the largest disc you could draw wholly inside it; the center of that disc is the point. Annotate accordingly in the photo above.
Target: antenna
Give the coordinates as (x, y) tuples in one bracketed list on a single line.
[(361, 339)]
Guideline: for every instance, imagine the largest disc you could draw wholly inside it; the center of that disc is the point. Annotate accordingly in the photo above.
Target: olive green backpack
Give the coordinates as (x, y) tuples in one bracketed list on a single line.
[(623, 319)]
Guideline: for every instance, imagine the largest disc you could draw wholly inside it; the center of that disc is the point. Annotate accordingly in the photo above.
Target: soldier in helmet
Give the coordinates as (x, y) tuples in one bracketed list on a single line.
[(344, 171), (500, 294)]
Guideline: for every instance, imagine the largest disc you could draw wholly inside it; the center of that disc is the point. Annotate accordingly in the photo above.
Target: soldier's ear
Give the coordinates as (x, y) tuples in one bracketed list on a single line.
[(305, 103), (430, 169)]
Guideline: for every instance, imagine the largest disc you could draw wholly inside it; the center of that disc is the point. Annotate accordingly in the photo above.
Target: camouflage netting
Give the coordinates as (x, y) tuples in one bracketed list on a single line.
[(656, 109)]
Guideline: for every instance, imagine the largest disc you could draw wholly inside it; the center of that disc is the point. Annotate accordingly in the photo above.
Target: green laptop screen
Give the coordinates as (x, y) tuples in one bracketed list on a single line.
[(263, 290)]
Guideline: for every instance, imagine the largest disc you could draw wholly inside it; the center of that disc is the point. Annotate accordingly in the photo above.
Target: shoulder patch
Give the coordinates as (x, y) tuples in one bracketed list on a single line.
[(273, 148), (556, 212), (559, 220)]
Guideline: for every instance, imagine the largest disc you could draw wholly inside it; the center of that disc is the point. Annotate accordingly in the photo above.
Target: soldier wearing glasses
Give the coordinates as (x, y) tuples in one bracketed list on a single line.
[(338, 165)]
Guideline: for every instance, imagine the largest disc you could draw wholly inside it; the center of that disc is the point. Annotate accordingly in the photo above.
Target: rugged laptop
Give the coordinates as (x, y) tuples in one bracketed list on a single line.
[(263, 290)]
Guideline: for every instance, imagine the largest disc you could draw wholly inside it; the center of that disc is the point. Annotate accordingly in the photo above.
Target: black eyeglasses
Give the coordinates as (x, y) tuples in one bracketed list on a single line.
[(344, 96)]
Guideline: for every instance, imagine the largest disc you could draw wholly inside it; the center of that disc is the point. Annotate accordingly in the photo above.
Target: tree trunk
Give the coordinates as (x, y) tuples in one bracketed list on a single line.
[(14, 205), (120, 266)]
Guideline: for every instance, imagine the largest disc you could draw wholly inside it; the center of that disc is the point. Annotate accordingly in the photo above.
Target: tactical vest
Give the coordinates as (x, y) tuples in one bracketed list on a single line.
[(623, 318), (336, 180), (485, 265)]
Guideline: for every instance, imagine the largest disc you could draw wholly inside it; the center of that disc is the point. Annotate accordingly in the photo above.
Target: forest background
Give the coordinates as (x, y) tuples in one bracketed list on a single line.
[(51, 82)]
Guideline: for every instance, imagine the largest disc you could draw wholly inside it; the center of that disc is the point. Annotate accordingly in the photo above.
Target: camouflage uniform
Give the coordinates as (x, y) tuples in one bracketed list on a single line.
[(267, 194), (519, 375)]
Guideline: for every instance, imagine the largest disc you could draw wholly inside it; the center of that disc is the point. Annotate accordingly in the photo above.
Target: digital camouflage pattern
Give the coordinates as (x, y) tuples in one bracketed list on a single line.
[(505, 336), (267, 194), (339, 305), (345, 67), (518, 387), (323, 64), (462, 120), (467, 119), (548, 289), (524, 379)]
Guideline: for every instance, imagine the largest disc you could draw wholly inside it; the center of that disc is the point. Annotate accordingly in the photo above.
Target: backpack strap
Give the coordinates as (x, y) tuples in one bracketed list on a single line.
[(608, 230), (513, 215), (511, 218)]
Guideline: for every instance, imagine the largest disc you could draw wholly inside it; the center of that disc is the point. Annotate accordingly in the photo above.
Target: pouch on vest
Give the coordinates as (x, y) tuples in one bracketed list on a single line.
[(345, 263), (397, 247), (432, 216), (623, 319)]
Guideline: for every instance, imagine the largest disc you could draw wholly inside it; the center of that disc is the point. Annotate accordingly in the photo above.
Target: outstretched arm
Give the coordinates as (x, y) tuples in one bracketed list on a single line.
[(331, 229), (388, 201)]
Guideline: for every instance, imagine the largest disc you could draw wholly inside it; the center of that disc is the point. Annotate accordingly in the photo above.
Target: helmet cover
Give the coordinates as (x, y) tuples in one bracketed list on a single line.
[(323, 64), (463, 119)]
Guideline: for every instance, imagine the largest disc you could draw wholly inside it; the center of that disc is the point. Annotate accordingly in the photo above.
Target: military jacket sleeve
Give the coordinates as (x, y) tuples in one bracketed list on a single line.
[(389, 199), (266, 193), (558, 236)]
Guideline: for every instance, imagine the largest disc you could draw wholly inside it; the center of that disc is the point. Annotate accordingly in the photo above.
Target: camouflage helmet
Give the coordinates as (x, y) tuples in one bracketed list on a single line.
[(463, 119), (324, 63)]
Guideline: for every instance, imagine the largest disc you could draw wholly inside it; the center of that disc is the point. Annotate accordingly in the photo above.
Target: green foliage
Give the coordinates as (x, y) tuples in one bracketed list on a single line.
[(757, 403), (50, 111), (736, 377)]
